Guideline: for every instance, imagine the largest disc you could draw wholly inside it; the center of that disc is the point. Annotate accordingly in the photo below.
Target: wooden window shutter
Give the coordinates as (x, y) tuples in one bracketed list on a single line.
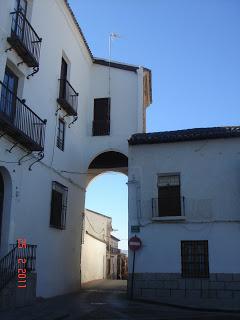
[(101, 117), (169, 199)]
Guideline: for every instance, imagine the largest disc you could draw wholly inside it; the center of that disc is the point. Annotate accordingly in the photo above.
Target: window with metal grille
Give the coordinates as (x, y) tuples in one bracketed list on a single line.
[(101, 117), (195, 262), (58, 206), (169, 199), (61, 134)]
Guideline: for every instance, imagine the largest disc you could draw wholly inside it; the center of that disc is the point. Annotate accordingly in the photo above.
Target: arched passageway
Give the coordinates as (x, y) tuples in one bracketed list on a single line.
[(105, 232), (5, 209), (107, 161)]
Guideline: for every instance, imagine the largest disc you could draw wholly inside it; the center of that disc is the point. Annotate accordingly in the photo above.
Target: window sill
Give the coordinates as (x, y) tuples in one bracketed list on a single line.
[(170, 219)]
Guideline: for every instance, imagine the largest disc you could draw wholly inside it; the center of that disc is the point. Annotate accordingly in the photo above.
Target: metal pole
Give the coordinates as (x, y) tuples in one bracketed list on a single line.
[(109, 64), (133, 270)]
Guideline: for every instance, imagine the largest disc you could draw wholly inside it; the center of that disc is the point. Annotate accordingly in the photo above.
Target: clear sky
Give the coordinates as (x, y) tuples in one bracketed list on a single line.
[(193, 49)]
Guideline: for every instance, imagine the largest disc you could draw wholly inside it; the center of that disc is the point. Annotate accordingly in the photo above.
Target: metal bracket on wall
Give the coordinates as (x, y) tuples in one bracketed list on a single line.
[(19, 63), (41, 156), (35, 70), (9, 49), (10, 150), (74, 120), (27, 154), (58, 109), (2, 135)]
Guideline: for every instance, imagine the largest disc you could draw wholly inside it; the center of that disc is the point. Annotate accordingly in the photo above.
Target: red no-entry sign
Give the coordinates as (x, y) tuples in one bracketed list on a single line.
[(134, 243)]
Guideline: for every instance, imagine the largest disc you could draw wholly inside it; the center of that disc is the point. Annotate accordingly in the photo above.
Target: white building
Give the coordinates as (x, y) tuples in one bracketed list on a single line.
[(95, 259), (85, 133), (184, 194), (114, 253)]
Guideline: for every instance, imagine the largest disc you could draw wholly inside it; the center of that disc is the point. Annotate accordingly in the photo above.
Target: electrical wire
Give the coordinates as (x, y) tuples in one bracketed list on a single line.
[(93, 227)]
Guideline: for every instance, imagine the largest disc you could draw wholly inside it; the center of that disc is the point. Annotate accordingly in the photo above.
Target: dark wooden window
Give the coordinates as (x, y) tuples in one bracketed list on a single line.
[(101, 117), (8, 94), (61, 134), (58, 206), (195, 262), (63, 78), (169, 199), (19, 25)]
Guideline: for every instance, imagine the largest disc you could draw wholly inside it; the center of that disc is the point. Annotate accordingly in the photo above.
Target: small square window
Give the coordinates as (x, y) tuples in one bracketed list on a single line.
[(61, 134), (58, 206), (195, 260)]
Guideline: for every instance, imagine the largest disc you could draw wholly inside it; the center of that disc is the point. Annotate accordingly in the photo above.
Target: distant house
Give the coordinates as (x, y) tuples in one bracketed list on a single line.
[(184, 194), (114, 253), (95, 260)]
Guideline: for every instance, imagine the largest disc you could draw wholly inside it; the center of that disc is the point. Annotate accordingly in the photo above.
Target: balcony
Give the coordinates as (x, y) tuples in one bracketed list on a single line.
[(68, 98), (115, 250), (20, 122), (24, 40), (169, 215), (101, 128)]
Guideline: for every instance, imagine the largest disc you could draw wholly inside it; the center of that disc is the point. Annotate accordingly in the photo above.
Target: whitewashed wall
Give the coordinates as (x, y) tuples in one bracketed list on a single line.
[(27, 206), (93, 259), (210, 183), (97, 229)]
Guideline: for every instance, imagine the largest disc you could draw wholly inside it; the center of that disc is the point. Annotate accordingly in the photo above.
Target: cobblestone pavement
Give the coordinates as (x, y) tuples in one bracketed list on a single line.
[(105, 300)]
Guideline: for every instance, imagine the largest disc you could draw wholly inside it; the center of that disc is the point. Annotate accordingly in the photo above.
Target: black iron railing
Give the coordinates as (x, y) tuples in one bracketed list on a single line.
[(24, 39), (158, 212), (68, 97), (9, 263), (115, 251), (101, 128), (20, 122)]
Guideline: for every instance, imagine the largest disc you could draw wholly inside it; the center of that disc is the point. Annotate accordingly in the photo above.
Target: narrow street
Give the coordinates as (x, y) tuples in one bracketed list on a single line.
[(105, 300)]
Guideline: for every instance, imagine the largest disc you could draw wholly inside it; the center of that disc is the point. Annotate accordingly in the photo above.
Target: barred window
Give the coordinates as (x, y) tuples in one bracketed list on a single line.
[(195, 262), (169, 200), (58, 206)]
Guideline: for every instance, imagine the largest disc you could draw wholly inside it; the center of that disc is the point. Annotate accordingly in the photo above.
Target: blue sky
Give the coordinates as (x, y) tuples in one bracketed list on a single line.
[(193, 49)]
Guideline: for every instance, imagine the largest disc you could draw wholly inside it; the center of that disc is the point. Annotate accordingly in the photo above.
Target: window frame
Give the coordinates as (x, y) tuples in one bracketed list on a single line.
[(99, 131), (61, 140), (169, 174), (193, 270), (58, 221)]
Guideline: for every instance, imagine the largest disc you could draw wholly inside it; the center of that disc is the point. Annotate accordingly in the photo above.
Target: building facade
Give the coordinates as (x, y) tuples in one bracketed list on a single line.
[(184, 196), (95, 260), (61, 123)]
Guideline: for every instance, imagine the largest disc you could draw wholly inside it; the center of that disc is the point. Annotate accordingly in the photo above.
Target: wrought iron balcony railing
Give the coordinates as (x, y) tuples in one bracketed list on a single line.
[(115, 250), (68, 97), (172, 209), (20, 122), (101, 128), (9, 263), (25, 40)]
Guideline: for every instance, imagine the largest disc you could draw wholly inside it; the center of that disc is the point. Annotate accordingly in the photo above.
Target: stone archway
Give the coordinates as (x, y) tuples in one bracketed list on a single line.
[(107, 161)]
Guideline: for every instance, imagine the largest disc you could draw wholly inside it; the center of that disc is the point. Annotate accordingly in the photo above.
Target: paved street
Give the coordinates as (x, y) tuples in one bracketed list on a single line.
[(105, 300)]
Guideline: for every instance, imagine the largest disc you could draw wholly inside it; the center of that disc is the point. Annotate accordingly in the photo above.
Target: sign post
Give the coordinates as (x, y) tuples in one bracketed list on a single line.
[(134, 244)]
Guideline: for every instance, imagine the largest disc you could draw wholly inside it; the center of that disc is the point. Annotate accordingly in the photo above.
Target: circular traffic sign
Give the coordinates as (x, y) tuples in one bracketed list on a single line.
[(134, 243)]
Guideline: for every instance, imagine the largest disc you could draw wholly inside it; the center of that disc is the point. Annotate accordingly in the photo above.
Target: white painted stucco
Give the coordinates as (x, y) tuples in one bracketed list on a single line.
[(209, 173), (96, 236), (28, 202)]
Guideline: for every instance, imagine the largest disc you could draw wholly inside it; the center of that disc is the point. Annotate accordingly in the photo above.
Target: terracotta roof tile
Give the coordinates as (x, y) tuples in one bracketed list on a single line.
[(185, 135)]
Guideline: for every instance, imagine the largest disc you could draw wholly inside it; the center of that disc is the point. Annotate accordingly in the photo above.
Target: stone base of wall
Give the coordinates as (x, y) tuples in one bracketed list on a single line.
[(219, 291), (12, 296)]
